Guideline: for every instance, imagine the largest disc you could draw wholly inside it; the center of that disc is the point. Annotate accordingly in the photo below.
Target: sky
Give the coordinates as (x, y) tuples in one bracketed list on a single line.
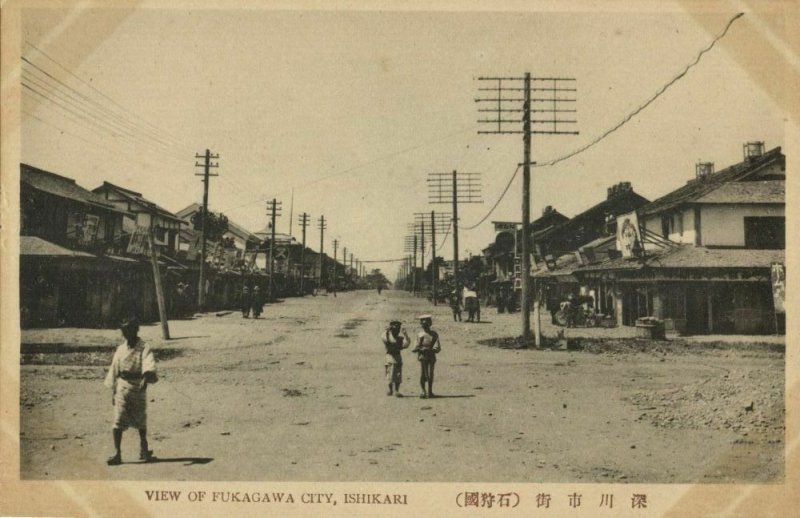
[(344, 114)]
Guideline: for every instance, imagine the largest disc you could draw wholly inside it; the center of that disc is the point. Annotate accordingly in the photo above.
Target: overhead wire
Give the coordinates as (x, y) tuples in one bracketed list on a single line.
[(370, 162), (93, 105), (164, 133), (625, 120)]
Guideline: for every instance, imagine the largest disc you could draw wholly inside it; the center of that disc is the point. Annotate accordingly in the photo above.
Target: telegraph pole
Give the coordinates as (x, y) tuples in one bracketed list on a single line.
[(162, 307), (433, 257), (446, 188), (555, 91), (321, 226), (335, 247), (344, 264), (304, 223), (207, 165), (438, 222), (273, 207)]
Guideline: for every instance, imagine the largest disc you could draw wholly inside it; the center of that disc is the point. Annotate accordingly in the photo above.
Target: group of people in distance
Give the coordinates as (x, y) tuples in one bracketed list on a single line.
[(471, 304), (252, 300), (395, 338)]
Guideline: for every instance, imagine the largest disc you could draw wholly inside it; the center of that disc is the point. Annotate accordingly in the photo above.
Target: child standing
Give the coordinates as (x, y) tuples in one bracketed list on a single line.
[(427, 348), (394, 343)]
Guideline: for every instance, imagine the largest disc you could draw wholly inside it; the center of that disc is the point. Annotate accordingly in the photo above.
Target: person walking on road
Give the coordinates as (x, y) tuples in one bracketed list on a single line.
[(471, 303), (427, 348), (133, 367), (246, 302), (455, 305), (257, 302), (395, 339)]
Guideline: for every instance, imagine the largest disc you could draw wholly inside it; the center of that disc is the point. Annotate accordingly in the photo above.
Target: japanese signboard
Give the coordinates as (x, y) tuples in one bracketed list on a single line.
[(138, 244), (507, 226)]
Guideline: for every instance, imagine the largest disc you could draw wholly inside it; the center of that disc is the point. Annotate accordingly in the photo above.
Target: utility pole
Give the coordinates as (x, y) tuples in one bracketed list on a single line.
[(321, 225), (344, 265), (446, 188), (162, 307), (433, 257), (273, 207), (207, 165), (304, 223), (335, 247), (439, 222), (555, 91)]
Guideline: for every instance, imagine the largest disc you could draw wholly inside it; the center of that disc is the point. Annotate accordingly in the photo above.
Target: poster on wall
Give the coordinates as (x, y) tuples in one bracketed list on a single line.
[(90, 224), (629, 239), (778, 277)]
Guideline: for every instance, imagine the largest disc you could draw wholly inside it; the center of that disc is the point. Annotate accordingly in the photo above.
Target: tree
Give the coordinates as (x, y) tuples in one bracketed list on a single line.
[(216, 225)]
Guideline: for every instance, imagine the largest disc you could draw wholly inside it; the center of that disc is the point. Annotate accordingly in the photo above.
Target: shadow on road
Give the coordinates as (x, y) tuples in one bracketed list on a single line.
[(186, 337), (188, 461), (439, 396)]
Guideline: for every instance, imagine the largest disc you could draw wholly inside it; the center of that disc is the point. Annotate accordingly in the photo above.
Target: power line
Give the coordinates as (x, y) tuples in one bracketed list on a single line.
[(646, 103), (88, 116), (164, 133), (510, 181), (75, 114), (93, 104), (618, 125), (373, 161), (95, 145)]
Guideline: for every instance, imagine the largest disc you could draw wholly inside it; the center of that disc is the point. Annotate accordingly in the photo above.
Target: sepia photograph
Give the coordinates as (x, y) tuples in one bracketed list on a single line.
[(277, 259)]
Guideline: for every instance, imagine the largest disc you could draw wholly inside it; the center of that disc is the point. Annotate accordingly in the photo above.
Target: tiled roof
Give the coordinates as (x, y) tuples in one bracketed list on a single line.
[(697, 188), (615, 263), (137, 197), (32, 245), (690, 256), (565, 265), (61, 186), (765, 191), (237, 230), (600, 241)]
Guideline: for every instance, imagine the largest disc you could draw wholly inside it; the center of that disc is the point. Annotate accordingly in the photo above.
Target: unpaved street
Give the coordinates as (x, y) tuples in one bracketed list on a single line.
[(299, 395)]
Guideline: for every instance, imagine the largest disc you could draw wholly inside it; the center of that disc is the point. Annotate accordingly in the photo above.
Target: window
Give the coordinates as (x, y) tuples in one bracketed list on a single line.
[(765, 232)]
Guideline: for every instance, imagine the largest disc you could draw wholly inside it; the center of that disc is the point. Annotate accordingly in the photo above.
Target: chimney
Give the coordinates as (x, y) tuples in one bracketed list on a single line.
[(753, 150), (547, 210), (703, 169)]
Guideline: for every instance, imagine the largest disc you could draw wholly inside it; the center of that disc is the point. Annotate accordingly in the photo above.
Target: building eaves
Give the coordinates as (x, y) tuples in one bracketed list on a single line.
[(62, 187), (36, 246)]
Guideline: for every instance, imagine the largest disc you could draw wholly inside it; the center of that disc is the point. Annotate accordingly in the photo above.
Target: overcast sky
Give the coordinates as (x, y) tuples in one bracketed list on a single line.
[(352, 110)]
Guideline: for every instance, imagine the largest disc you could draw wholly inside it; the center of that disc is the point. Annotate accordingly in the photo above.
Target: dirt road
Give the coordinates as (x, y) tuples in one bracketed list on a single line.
[(299, 395)]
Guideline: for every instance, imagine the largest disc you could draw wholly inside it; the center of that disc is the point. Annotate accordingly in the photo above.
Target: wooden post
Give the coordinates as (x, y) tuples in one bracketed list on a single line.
[(162, 309)]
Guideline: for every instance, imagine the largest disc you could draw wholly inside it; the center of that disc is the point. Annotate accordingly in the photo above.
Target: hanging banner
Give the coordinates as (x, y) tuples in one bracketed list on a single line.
[(250, 259), (629, 239), (778, 277), (138, 244)]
